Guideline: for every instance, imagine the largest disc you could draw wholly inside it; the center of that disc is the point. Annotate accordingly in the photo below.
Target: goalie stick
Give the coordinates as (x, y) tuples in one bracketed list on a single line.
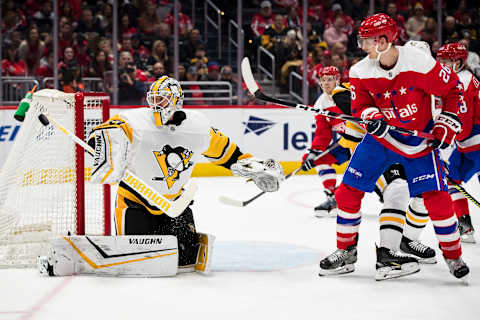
[(239, 203), (171, 208), (254, 89)]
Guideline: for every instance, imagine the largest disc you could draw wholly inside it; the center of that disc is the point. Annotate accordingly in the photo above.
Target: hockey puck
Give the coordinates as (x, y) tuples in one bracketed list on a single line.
[(43, 119)]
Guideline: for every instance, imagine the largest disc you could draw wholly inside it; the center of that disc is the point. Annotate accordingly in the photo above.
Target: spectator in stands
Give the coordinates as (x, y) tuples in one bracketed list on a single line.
[(76, 8), (226, 75), (473, 60), (65, 38), (70, 77), (105, 17), (293, 19), (184, 21), (195, 97), (89, 26), (45, 70), (326, 60), (335, 32), (11, 23), (140, 52), (182, 73), (80, 46), (461, 8), (262, 20), (105, 45), (125, 59), (213, 71), (402, 31), (450, 29), (131, 90), (12, 64), (340, 50), (157, 71), (316, 12), (416, 23), (66, 11), (99, 65), (359, 10), (125, 28), (44, 17), (466, 26), (272, 38), (163, 32), (292, 52), (200, 61), (338, 62), (15, 39), (159, 54), (314, 37), (337, 11), (148, 20), (429, 33), (31, 50), (188, 47)]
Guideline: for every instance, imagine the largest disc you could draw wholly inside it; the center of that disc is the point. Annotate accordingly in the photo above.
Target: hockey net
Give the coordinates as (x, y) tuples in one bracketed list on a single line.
[(44, 184)]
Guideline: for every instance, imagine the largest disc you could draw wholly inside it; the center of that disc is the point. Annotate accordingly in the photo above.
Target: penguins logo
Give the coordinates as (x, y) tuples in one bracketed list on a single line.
[(172, 162)]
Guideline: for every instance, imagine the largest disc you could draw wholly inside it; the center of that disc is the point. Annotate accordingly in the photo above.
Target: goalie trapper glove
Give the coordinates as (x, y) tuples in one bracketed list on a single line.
[(446, 126), (266, 174), (308, 161), (376, 124)]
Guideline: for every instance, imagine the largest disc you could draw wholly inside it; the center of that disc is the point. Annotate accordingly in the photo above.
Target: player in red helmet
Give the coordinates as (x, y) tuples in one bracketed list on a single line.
[(464, 161), (325, 130), (393, 85)]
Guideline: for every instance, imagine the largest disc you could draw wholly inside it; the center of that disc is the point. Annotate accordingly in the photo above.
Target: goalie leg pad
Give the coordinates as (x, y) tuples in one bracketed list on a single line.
[(205, 252), (122, 256)]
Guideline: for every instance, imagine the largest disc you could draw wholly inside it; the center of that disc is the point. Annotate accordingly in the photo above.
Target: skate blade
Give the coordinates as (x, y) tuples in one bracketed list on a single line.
[(326, 214), (467, 238), (431, 260), (342, 270), (386, 273)]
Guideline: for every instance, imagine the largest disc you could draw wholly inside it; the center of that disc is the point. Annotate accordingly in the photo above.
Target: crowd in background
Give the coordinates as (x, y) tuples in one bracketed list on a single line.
[(146, 44)]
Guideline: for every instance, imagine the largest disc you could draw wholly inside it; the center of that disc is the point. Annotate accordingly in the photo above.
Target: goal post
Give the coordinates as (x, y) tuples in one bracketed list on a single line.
[(44, 184)]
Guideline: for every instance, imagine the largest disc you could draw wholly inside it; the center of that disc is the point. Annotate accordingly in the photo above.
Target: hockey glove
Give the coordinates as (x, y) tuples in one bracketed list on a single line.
[(308, 161), (446, 126), (267, 174), (376, 124)]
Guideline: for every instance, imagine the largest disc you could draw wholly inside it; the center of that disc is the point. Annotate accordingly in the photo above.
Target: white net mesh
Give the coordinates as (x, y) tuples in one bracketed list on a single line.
[(38, 193)]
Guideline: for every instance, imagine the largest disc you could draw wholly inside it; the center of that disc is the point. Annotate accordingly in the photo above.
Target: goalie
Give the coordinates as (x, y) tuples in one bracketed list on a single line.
[(160, 145)]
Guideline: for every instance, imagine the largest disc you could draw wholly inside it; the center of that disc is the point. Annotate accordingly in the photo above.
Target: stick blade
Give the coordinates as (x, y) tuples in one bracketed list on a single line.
[(248, 76), (231, 202)]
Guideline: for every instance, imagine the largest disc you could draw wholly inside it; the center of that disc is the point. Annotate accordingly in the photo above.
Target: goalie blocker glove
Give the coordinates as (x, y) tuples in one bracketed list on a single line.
[(447, 125), (375, 122), (267, 174)]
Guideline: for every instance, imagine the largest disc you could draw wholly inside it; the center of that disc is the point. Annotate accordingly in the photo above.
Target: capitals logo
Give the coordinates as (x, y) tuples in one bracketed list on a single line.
[(257, 125), (172, 162)]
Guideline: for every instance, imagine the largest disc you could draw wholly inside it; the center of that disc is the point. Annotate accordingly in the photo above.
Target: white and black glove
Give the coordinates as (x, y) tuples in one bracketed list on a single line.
[(309, 159), (267, 174)]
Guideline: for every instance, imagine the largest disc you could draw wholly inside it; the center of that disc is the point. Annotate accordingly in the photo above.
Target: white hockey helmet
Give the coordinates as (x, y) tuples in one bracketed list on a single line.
[(421, 45), (164, 97)]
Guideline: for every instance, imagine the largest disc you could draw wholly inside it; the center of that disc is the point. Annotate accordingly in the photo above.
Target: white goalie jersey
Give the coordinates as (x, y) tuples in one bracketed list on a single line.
[(163, 156)]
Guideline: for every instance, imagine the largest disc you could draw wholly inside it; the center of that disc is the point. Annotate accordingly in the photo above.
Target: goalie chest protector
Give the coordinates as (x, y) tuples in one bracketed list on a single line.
[(164, 156)]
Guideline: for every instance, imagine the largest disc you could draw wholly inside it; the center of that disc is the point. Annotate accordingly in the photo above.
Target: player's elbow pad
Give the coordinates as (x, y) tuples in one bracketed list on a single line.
[(111, 155)]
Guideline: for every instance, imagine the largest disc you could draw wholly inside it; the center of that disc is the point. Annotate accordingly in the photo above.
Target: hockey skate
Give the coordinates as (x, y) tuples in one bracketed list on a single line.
[(458, 268), (326, 208), (466, 229), (394, 264), (339, 262), (416, 249)]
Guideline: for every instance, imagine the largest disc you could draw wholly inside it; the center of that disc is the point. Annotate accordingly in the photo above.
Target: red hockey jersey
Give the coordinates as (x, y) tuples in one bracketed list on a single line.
[(469, 113), (403, 95)]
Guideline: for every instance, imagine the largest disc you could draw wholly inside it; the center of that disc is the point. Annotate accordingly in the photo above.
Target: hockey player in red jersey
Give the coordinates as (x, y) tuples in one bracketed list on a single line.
[(325, 128), (393, 85), (464, 161)]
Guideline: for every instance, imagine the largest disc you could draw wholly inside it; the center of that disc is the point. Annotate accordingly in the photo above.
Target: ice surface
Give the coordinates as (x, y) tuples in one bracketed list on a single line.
[(266, 268)]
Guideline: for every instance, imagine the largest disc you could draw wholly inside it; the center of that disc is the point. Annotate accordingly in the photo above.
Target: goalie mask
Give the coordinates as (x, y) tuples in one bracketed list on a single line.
[(164, 97)]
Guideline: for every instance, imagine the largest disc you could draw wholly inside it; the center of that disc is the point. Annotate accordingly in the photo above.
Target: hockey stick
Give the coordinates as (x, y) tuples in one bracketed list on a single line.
[(464, 192), (171, 208), (255, 90), (240, 203)]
